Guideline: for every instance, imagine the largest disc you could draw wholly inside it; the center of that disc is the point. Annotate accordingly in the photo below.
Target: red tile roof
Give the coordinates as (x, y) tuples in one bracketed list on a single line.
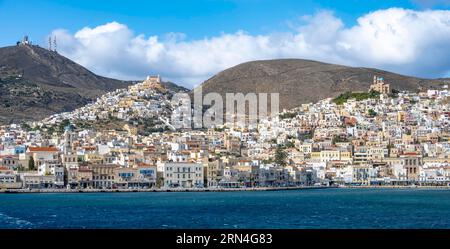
[(43, 149), (411, 153), (144, 165)]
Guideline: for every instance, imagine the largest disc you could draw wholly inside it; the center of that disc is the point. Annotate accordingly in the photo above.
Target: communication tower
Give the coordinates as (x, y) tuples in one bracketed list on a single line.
[(54, 44)]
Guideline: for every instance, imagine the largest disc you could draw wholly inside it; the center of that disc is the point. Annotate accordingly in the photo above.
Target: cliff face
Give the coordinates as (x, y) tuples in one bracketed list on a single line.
[(302, 81)]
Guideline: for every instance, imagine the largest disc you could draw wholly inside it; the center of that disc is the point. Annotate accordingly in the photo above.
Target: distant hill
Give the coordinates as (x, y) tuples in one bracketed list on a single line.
[(302, 81), (174, 87), (36, 82)]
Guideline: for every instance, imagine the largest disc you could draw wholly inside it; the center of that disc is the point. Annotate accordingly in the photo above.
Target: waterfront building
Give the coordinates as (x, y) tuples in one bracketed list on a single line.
[(33, 180), (103, 175), (10, 162), (182, 174), (9, 179)]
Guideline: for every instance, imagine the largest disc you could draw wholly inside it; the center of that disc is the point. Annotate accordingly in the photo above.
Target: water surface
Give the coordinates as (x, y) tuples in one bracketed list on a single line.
[(318, 208)]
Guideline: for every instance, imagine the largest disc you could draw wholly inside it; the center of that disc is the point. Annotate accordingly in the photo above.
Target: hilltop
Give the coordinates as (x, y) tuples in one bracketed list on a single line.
[(302, 81), (36, 82)]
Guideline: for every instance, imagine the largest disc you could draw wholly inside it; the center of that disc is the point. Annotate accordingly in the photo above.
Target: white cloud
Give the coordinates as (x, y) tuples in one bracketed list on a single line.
[(405, 41)]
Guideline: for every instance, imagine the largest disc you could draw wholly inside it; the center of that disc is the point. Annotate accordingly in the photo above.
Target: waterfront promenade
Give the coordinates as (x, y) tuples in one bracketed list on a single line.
[(211, 189), (159, 190)]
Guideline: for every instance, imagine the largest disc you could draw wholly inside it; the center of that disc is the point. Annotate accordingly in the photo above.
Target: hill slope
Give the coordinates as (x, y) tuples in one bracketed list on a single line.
[(35, 82), (302, 81)]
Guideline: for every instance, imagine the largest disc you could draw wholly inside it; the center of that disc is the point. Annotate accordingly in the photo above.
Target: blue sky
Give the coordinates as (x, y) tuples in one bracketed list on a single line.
[(195, 18), (189, 41)]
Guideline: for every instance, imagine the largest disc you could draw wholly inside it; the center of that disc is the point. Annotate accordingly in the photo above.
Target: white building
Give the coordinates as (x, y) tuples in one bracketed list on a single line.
[(182, 174)]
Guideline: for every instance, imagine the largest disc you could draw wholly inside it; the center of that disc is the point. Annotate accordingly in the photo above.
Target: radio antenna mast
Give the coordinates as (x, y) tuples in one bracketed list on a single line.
[(54, 44)]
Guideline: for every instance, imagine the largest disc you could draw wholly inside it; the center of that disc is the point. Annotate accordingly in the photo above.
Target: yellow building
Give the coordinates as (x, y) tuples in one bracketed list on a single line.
[(379, 85), (126, 103), (93, 158), (132, 130), (401, 116), (331, 155)]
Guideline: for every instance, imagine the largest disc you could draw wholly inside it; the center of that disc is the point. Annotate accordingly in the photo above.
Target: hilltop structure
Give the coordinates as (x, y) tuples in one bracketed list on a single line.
[(25, 41), (152, 82), (379, 85)]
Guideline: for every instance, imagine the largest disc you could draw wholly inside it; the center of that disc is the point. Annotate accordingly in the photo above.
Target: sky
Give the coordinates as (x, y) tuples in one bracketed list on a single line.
[(189, 41)]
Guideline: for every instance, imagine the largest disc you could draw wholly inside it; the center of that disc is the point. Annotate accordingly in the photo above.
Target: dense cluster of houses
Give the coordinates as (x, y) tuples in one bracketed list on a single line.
[(139, 103), (391, 139)]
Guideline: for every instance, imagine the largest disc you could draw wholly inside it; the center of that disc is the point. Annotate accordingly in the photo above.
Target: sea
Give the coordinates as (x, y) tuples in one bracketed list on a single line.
[(311, 209)]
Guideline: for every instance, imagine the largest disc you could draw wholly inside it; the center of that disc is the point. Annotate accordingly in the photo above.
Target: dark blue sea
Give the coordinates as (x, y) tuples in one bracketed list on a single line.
[(318, 208)]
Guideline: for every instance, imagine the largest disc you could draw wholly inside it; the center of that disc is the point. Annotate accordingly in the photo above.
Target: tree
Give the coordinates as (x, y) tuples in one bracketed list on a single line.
[(31, 164), (341, 99), (394, 93), (280, 156), (160, 182), (50, 130), (288, 115), (63, 125), (26, 127), (372, 113), (290, 144), (338, 139)]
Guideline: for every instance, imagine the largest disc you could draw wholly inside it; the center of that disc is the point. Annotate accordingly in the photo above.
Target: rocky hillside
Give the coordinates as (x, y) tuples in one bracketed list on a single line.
[(36, 82), (302, 81)]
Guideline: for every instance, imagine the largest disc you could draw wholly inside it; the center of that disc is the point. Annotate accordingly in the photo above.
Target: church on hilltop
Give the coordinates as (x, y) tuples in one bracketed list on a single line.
[(152, 82), (379, 85)]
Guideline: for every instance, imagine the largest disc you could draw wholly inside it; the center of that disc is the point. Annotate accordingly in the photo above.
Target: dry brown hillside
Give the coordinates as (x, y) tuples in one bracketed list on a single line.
[(301, 81)]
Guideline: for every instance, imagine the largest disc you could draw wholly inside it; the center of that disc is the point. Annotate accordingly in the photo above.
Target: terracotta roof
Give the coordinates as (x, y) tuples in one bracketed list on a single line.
[(410, 153), (6, 156), (43, 149), (89, 147), (144, 165)]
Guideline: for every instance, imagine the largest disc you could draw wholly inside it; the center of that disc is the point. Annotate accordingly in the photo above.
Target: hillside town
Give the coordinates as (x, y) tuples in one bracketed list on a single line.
[(124, 140)]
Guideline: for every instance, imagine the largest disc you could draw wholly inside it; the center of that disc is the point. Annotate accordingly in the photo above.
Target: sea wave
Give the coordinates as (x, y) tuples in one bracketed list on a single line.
[(7, 221)]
